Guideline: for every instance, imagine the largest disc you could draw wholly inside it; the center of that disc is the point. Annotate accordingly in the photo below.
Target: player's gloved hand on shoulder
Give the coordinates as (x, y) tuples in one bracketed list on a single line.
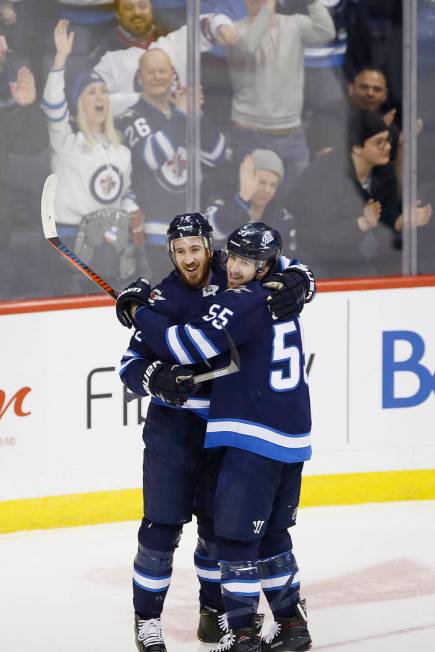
[(291, 289), (137, 292), (171, 383)]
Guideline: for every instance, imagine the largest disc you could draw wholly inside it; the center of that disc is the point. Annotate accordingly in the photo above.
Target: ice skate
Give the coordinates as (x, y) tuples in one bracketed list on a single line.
[(149, 636), (289, 634), (239, 640), (214, 624)]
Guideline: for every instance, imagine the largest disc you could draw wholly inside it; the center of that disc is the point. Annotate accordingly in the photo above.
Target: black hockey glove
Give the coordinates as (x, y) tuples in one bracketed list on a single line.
[(291, 289), (164, 381), (137, 292)]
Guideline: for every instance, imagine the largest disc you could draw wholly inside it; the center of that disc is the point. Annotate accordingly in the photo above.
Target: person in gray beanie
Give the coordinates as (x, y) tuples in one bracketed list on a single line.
[(260, 174)]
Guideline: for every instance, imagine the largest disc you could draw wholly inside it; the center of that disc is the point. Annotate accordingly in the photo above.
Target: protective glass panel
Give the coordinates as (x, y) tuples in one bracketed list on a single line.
[(305, 93), (120, 159), (426, 137)]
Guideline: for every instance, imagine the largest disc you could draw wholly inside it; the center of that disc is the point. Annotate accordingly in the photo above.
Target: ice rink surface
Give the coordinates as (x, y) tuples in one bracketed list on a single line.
[(368, 574)]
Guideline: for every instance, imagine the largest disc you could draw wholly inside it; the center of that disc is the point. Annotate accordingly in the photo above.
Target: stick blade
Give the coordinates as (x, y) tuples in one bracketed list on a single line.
[(48, 214)]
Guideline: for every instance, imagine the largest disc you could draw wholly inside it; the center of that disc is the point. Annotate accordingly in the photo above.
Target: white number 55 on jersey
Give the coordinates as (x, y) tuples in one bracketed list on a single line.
[(218, 316)]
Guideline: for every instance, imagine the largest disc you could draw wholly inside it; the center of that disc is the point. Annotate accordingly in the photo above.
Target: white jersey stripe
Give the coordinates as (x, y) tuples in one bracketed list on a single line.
[(165, 145), (261, 432), (211, 157), (176, 346), (198, 339), (148, 153)]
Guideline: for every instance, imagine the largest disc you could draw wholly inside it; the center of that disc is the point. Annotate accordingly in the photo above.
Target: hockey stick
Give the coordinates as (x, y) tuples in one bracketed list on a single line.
[(232, 368), (48, 216)]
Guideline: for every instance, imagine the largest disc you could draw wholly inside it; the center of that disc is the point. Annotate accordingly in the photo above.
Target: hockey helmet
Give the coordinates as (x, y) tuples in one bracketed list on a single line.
[(255, 241), (189, 225)]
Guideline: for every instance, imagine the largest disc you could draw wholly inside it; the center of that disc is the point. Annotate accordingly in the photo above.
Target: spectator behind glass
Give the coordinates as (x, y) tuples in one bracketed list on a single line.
[(265, 53), (135, 28), (261, 172), (155, 131), (330, 125), (347, 205), (22, 131), (93, 169), (119, 68)]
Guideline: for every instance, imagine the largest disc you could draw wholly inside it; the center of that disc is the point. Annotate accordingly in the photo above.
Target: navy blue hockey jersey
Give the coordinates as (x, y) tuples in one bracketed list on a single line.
[(265, 407), (159, 161), (179, 303)]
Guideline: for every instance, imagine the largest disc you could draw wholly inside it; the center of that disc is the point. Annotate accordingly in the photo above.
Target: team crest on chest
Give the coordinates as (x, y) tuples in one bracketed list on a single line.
[(106, 184), (174, 171), (210, 290)]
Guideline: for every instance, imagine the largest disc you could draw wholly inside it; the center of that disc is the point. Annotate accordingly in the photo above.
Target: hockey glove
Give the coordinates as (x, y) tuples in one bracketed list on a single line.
[(160, 381), (292, 288), (137, 292)]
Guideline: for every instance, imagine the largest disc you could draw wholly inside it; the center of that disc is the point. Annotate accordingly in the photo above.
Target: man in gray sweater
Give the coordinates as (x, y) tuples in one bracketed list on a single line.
[(266, 59)]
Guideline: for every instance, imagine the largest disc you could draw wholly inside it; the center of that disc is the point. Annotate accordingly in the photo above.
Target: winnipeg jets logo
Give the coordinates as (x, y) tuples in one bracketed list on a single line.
[(156, 295), (106, 184), (210, 291), (257, 526), (267, 238)]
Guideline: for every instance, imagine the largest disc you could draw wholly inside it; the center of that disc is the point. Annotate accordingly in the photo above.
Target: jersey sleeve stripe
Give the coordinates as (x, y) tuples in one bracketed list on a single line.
[(203, 345), (212, 157), (149, 156), (176, 347), (127, 358), (52, 107), (60, 118), (165, 145)]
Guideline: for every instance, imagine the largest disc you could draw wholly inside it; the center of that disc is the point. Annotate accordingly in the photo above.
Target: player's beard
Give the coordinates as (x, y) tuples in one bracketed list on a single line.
[(198, 278)]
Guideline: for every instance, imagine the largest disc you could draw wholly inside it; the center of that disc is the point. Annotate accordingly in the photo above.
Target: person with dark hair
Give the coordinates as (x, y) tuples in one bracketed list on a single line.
[(262, 434), (135, 28), (348, 204), (368, 90), (178, 474)]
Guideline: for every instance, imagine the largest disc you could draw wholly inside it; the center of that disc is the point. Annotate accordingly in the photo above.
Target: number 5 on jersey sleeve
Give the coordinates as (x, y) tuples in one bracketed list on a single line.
[(280, 381)]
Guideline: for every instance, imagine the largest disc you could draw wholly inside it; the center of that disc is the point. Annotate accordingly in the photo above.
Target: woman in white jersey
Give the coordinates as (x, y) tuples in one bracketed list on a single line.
[(95, 206)]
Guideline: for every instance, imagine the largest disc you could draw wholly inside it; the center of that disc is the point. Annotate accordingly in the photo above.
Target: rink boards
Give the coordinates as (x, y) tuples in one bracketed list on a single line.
[(71, 449)]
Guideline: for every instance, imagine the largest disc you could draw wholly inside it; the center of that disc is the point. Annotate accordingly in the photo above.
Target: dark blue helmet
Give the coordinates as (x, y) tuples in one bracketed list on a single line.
[(189, 225), (255, 241)]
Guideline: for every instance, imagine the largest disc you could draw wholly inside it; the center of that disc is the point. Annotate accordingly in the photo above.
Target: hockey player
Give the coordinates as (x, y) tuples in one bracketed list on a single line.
[(155, 131), (265, 434), (177, 472)]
